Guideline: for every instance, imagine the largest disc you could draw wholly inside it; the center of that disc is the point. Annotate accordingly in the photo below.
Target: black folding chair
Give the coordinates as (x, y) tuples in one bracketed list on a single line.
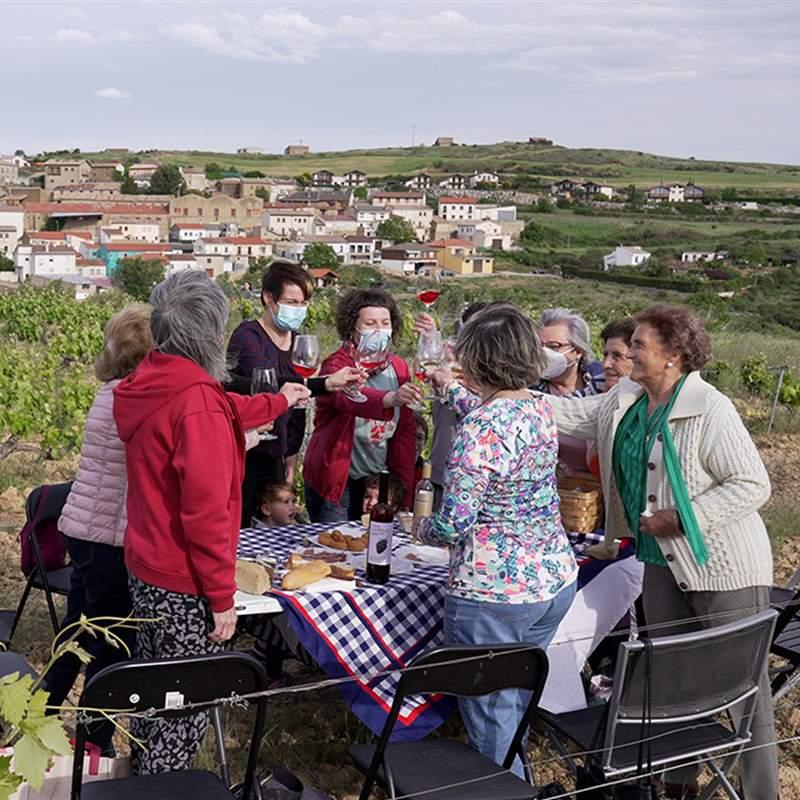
[(418, 769), (51, 582), (690, 706), (139, 686), (786, 639)]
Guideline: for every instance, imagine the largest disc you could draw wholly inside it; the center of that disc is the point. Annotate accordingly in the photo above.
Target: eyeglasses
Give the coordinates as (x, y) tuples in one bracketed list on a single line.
[(559, 347)]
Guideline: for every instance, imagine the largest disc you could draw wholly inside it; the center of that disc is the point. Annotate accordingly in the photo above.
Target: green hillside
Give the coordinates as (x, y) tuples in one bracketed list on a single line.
[(514, 160)]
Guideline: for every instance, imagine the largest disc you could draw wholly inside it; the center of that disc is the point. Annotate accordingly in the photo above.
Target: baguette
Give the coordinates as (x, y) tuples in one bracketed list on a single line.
[(335, 539), (253, 577), (304, 575)]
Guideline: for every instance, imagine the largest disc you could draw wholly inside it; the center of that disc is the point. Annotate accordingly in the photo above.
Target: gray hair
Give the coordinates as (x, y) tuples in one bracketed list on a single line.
[(190, 318), (579, 334), (499, 347)]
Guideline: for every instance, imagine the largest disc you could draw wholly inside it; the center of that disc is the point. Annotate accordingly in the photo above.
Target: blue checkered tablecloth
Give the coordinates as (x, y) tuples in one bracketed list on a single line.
[(374, 628)]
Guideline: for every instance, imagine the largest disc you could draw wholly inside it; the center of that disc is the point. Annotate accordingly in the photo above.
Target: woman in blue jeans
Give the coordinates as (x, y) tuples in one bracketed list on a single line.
[(512, 569)]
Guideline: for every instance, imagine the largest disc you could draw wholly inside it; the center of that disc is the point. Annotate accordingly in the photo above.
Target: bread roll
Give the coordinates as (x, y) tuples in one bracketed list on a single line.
[(305, 574), (358, 544), (335, 539), (344, 572), (253, 577)]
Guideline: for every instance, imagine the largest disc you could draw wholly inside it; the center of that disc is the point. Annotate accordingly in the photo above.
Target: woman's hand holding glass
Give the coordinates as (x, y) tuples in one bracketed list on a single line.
[(295, 393), (347, 379), (407, 395)]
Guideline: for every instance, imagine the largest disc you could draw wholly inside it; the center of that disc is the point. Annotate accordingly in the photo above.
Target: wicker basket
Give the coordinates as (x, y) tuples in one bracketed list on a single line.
[(581, 502)]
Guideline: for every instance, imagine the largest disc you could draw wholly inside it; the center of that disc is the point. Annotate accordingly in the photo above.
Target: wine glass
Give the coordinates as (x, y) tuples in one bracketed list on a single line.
[(369, 355), (305, 355), (430, 351), (428, 295), (264, 380)]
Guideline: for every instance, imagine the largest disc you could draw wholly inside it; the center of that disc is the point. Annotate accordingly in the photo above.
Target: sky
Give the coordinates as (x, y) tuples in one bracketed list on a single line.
[(710, 79)]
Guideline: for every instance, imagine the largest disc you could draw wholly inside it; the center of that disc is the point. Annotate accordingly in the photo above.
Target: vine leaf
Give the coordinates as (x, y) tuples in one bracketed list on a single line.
[(15, 695), (31, 760), (9, 782)]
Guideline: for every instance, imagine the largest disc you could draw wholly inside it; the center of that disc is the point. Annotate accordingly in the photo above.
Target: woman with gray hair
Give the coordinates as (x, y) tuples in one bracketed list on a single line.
[(564, 332), (184, 451), (512, 569)]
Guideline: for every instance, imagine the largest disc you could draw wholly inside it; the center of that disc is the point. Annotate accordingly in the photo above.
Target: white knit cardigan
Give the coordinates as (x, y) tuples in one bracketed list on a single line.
[(724, 474)]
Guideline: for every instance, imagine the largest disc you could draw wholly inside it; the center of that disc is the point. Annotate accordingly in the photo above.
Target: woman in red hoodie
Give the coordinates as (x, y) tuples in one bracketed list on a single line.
[(352, 440), (184, 450)]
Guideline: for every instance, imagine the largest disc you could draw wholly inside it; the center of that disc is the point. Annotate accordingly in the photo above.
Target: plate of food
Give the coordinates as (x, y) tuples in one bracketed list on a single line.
[(351, 538), (423, 555), (317, 574)]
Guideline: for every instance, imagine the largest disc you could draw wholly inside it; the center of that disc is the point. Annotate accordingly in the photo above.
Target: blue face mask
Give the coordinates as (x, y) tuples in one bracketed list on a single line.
[(377, 340), (290, 318)]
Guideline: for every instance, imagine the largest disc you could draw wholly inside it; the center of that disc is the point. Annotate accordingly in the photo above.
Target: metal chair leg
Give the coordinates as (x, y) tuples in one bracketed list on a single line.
[(21, 607), (216, 721)]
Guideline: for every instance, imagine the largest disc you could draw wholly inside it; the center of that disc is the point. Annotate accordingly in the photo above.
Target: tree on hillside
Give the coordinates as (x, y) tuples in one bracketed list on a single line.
[(6, 264), (213, 171), (319, 256), (253, 173), (263, 193), (255, 273), (360, 192), (138, 277), (129, 186), (396, 229), (304, 180), (167, 179), (544, 206)]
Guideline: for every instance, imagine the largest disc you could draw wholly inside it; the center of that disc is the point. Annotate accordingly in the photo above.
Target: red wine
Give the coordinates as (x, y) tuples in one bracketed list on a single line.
[(381, 528), (303, 371), (369, 365), (428, 296), (420, 374)]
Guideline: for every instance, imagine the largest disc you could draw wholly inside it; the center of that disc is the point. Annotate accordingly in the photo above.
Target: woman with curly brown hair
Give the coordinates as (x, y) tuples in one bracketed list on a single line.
[(682, 475), (353, 440)]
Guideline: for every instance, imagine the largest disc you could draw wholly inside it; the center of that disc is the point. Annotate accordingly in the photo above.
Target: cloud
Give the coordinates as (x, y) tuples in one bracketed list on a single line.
[(111, 93), (74, 36)]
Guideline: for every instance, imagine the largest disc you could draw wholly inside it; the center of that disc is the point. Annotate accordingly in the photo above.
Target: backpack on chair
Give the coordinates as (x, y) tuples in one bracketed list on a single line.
[(44, 525)]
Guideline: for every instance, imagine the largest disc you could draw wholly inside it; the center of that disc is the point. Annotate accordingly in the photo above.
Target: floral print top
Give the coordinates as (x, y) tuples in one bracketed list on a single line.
[(499, 512)]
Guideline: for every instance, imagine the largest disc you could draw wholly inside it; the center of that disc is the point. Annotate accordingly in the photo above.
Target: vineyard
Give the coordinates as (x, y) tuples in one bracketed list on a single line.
[(48, 343)]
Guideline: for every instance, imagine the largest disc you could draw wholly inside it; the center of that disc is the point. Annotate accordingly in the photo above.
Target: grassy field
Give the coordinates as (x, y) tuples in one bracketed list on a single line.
[(616, 167)]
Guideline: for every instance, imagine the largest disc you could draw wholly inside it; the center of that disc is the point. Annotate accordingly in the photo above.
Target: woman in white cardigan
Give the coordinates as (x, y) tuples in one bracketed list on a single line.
[(681, 474)]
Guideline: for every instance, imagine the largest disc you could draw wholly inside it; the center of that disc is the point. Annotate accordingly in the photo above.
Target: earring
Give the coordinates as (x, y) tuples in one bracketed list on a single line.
[(670, 364)]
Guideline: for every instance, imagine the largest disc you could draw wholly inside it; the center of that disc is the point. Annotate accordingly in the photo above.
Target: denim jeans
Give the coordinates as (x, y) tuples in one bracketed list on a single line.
[(492, 720), (99, 588), (349, 505)]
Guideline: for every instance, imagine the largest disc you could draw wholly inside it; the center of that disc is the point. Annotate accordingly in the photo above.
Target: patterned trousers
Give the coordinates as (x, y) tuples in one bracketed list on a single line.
[(184, 622)]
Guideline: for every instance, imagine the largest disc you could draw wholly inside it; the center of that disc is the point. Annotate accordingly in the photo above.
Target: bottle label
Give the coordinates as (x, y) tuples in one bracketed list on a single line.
[(380, 543), (423, 504)]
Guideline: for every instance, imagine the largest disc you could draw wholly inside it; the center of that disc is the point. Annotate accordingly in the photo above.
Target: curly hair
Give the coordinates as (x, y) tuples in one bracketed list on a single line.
[(619, 329), (499, 347), (126, 341), (350, 305), (681, 331)]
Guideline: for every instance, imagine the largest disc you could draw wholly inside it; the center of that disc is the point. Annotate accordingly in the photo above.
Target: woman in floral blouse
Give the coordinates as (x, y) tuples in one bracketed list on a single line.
[(512, 569)]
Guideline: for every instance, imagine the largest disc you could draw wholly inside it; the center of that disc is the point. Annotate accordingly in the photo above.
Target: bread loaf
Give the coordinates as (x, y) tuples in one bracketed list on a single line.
[(305, 574), (344, 572), (253, 577)]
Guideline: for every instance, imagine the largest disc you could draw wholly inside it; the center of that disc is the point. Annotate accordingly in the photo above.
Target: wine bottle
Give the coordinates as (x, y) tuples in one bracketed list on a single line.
[(423, 497), (381, 528)]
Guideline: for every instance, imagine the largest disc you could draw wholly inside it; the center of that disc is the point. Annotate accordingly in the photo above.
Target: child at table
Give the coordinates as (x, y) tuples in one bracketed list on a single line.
[(371, 487), (276, 505)]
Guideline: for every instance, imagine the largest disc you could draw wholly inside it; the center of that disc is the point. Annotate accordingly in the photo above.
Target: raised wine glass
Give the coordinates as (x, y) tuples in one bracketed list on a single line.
[(368, 356), (430, 351), (264, 380)]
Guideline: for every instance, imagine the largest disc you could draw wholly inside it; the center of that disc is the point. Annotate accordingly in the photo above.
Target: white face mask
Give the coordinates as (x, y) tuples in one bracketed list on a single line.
[(556, 365)]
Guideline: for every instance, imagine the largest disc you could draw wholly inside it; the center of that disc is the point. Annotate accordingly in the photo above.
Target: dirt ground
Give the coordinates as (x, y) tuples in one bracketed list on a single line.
[(311, 732)]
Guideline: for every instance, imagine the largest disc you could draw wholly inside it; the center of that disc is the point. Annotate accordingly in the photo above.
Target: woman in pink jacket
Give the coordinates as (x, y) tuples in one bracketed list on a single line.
[(94, 518)]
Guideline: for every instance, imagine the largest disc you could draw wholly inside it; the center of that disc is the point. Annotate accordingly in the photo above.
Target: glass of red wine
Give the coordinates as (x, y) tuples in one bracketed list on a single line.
[(264, 380), (369, 356), (428, 297), (305, 355)]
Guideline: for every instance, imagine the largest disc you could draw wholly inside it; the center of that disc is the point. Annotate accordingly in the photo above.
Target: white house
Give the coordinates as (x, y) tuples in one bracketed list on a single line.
[(484, 233), (369, 217), (420, 218), (192, 231), (496, 213), (360, 250), (456, 181), (421, 181), (180, 262), (195, 178), (625, 257), (141, 174), (9, 171), (43, 260), (12, 226), (91, 267), (239, 250), (287, 221), (409, 258), (125, 230), (693, 256), (456, 208), (478, 178), (339, 225)]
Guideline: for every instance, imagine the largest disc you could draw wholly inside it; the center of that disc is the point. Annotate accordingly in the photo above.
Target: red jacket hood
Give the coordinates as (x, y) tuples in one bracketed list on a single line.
[(156, 381)]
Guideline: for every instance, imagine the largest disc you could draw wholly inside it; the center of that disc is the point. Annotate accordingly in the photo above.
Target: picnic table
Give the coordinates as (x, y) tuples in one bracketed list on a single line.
[(363, 632)]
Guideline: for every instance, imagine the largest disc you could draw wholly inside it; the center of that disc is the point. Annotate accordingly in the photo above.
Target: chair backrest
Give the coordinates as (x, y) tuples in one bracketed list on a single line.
[(139, 686), (692, 676), (469, 671), (790, 610), (41, 543)]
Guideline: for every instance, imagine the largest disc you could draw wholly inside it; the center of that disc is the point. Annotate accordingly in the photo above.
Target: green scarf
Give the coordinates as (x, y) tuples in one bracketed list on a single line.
[(633, 443)]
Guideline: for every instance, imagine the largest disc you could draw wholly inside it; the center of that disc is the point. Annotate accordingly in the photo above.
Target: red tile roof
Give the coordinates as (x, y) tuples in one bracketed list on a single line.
[(90, 262), (138, 247), (241, 240), (191, 226), (418, 195), (466, 200), (322, 273)]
